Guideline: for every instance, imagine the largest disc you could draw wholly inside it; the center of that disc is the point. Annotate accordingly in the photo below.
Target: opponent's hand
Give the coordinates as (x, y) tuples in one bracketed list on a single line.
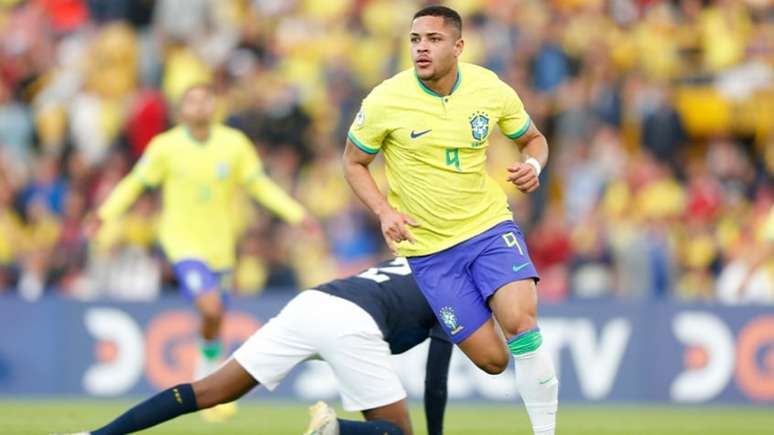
[(91, 225), (394, 228), (524, 177)]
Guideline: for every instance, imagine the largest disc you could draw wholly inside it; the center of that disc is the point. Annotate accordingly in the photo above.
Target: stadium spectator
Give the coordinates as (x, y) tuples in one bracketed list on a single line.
[(661, 114)]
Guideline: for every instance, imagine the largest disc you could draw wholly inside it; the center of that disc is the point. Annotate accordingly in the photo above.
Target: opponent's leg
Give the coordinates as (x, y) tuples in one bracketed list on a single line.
[(228, 383), (392, 419), (362, 364), (515, 308)]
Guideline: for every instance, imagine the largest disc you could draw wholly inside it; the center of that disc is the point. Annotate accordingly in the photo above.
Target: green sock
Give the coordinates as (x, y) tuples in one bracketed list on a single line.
[(536, 380), (211, 349), (527, 341)]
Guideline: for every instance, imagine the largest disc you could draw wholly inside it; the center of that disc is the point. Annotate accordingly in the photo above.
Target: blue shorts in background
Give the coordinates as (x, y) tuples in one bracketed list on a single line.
[(458, 282), (196, 278)]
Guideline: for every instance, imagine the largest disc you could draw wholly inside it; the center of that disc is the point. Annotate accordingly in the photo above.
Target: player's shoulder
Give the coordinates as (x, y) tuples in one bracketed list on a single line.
[(167, 139), (169, 135), (224, 132), (480, 76), (478, 71), (392, 87)]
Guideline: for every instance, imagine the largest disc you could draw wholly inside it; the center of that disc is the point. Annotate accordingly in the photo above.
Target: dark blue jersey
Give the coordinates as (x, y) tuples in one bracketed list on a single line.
[(389, 294)]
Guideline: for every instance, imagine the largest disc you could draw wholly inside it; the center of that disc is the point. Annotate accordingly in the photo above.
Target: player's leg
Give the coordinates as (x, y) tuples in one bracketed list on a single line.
[(396, 413), (486, 348), (514, 306), (200, 284), (361, 362), (506, 276), (228, 383), (461, 310), (210, 308), (390, 419)]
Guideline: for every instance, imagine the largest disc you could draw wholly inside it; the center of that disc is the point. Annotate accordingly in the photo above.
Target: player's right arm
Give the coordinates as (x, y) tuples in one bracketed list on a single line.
[(148, 172), (364, 140)]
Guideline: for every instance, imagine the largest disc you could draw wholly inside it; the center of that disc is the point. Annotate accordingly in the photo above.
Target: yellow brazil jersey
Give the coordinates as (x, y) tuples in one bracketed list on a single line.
[(435, 152), (198, 182)]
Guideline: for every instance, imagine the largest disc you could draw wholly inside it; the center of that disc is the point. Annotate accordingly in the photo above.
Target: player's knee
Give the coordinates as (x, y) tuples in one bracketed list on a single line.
[(518, 323), (207, 395), (211, 313), (491, 369), (495, 364)]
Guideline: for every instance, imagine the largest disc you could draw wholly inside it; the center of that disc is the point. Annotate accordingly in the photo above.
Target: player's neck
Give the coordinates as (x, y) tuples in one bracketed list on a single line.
[(443, 85), (199, 133)]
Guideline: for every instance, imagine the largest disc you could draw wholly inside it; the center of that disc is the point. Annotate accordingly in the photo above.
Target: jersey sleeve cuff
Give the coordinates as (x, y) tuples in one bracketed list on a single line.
[(360, 145), (521, 131)]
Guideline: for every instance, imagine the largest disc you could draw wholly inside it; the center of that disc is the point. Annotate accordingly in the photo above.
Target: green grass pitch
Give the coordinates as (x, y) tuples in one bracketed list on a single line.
[(257, 417)]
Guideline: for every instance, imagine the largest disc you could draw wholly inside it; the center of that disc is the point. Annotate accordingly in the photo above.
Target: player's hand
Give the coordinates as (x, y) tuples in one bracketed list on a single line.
[(311, 226), (524, 177), (91, 225), (394, 228)]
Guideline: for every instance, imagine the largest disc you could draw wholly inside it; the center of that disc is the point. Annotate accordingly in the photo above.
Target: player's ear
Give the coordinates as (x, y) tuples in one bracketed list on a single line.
[(459, 45)]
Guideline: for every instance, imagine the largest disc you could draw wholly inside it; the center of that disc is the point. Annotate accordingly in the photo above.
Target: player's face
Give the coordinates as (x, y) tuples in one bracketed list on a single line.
[(197, 106), (435, 47)]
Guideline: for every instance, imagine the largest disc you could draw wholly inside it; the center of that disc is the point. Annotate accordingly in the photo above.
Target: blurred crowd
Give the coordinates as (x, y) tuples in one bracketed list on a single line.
[(659, 116)]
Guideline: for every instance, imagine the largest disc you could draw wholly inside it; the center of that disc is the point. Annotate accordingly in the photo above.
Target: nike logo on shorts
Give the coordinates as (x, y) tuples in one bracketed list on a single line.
[(519, 267), (416, 134), (545, 381)]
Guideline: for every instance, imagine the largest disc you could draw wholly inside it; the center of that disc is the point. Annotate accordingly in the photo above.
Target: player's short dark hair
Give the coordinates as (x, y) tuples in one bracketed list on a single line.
[(449, 15)]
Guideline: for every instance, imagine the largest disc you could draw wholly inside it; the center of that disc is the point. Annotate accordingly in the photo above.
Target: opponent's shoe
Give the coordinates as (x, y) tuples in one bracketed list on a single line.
[(324, 420)]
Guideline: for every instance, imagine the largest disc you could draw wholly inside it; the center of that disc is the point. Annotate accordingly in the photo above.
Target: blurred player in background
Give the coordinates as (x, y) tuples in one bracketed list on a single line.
[(466, 253), (354, 324), (200, 165)]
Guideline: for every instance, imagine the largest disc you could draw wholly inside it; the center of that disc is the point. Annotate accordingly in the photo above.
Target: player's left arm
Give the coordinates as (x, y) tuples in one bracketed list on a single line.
[(436, 377), (266, 191), (525, 174), (516, 124)]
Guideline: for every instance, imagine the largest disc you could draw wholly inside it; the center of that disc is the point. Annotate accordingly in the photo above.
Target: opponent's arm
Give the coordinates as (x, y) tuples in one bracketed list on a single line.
[(533, 145), (355, 164), (436, 375)]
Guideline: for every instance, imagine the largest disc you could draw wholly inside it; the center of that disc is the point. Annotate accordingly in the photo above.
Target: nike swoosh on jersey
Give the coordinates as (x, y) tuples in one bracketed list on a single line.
[(416, 134), (519, 267)]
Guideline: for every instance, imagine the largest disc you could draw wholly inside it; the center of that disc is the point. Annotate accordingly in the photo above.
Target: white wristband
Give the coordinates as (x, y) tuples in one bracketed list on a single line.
[(535, 164)]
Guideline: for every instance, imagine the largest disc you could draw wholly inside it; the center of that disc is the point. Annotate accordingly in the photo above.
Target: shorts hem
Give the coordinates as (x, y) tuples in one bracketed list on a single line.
[(271, 386), (489, 293), (467, 332), (376, 403)]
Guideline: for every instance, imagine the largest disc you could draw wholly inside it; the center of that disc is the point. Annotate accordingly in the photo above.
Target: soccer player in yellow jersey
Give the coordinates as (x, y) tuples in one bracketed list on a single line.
[(200, 165), (445, 213)]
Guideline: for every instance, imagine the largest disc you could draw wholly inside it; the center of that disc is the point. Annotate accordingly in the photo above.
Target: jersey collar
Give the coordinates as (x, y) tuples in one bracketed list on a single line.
[(432, 92)]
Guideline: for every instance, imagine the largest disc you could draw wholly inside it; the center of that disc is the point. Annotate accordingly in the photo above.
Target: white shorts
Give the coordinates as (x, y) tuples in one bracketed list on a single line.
[(316, 324)]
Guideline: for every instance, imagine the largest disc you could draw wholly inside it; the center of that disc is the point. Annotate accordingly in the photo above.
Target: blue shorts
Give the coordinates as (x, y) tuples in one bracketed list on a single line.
[(458, 282), (196, 278)]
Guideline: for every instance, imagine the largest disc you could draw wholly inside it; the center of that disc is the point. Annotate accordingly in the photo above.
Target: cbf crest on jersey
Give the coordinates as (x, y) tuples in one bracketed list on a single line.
[(449, 318), (479, 127), (222, 170), (360, 119)]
